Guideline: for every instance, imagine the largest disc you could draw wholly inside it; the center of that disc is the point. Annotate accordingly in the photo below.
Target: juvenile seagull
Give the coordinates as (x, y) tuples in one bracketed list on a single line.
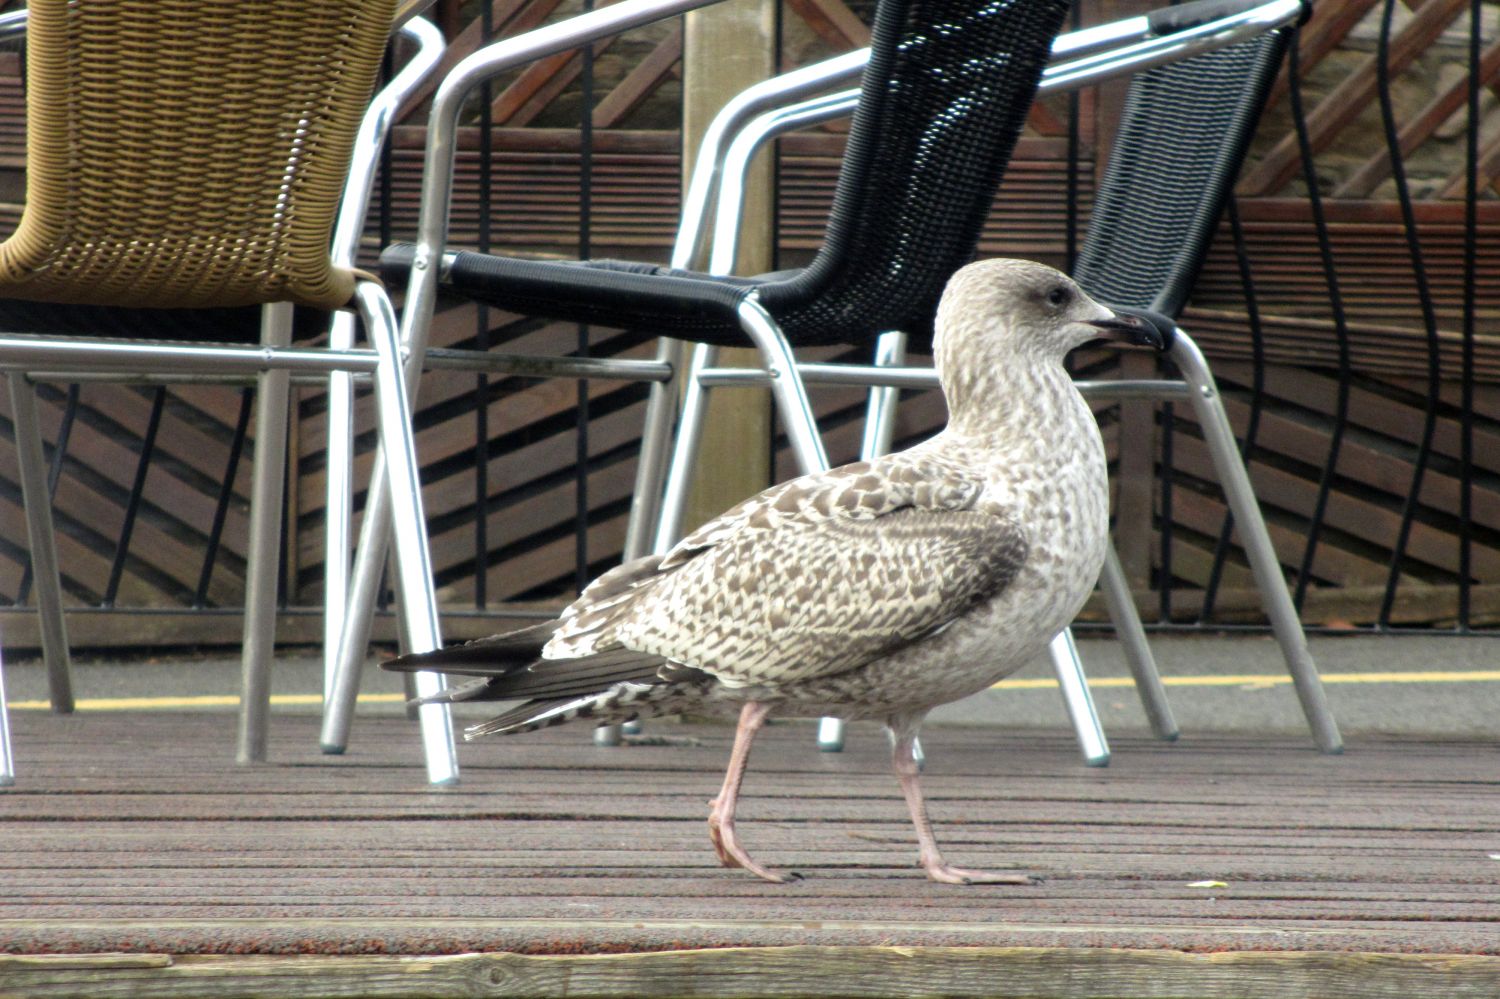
[(876, 590)]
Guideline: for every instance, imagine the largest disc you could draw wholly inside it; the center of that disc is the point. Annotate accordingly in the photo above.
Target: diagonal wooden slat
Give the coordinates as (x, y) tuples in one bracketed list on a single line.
[(1488, 169), (539, 85), (1420, 128), (834, 22), (640, 82), (507, 17), (1343, 104), (1329, 25)]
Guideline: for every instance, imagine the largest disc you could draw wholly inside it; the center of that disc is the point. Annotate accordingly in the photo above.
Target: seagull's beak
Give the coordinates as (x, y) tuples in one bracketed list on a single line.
[(1130, 328)]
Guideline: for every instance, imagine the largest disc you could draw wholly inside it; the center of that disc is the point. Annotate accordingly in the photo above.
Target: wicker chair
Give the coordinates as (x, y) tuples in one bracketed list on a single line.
[(1184, 132), (187, 163)]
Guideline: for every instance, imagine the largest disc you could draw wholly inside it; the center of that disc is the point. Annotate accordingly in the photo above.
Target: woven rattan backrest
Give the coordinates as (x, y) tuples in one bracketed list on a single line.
[(944, 98), (190, 153), (1181, 141)]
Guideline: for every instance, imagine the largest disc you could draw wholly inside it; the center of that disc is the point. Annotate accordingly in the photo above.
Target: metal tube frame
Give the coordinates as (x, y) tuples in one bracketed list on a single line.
[(7, 761), (421, 627), (1140, 52), (421, 295), (374, 128), (42, 537), (267, 490), (1264, 565)]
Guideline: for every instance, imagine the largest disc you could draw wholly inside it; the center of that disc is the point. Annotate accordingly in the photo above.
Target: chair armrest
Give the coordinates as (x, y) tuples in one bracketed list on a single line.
[(442, 129), (373, 130), (12, 26), (1170, 35), (1171, 20)]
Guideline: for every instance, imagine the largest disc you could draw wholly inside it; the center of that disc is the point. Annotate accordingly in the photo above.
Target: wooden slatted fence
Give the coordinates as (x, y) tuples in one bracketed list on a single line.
[(526, 497)]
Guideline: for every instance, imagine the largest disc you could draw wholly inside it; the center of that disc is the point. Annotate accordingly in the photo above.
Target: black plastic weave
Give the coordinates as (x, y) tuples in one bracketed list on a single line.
[(1182, 137), (945, 96)]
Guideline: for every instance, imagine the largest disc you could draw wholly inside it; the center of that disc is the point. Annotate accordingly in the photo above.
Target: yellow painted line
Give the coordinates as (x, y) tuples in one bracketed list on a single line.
[(202, 701), (1274, 679), (1102, 683)]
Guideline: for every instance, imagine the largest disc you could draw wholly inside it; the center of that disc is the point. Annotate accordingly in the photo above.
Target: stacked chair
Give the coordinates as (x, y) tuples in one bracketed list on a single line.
[(946, 87), (939, 70), (1185, 129), (197, 174)]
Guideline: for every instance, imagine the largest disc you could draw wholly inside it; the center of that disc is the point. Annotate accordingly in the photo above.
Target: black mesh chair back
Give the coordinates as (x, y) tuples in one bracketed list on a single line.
[(1183, 135), (944, 99), (945, 96)]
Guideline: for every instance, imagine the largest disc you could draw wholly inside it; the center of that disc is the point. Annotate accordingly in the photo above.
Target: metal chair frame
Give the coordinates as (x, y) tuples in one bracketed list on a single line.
[(349, 651), (27, 358), (731, 162), (1131, 44), (7, 762)]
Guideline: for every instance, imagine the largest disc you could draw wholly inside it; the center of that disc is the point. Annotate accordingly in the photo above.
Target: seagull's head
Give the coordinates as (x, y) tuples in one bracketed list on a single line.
[(1004, 312)]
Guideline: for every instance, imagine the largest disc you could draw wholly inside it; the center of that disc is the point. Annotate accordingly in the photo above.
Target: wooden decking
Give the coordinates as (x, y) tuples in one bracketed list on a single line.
[(134, 835)]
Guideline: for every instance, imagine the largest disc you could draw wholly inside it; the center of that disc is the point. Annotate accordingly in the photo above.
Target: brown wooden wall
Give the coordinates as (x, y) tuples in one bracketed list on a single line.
[(530, 487)]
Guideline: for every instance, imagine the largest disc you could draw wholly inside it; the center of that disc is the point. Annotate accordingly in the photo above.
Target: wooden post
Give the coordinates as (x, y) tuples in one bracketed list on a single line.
[(726, 48)]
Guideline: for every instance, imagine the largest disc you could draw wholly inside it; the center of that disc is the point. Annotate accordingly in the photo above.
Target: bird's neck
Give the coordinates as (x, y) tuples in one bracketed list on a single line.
[(990, 404)]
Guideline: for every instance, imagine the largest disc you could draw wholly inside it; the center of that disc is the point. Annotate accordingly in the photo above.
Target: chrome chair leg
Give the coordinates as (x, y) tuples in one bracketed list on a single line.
[(650, 480), (409, 531), (339, 503), (41, 536), (268, 483), (1264, 565), (354, 636), (1132, 638), (7, 762), (1078, 700), (656, 452), (684, 450), (880, 411), (787, 387)]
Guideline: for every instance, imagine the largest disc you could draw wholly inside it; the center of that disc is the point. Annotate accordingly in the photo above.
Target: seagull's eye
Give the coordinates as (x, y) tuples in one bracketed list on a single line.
[(1058, 297)]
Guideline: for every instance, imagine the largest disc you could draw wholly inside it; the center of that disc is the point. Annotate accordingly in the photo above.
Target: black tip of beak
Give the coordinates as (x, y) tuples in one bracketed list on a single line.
[(1137, 326)]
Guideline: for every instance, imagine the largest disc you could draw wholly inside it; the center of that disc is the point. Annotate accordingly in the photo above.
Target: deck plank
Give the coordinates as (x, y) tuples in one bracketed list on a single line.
[(135, 832)]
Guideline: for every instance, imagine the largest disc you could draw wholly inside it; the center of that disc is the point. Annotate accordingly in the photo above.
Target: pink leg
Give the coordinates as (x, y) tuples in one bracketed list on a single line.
[(929, 857), (721, 810)]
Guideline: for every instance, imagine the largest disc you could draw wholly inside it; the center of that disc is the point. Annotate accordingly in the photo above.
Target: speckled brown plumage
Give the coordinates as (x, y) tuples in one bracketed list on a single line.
[(876, 590)]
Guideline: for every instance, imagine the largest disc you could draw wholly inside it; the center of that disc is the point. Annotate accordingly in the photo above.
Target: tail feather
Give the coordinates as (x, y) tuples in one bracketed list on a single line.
[(491, 656), (621, 702), (533, 715), (547, 679), (474, 690)]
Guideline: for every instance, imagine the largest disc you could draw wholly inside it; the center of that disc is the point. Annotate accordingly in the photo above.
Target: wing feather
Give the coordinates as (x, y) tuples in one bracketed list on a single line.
[(818, 597), (863, 491)]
